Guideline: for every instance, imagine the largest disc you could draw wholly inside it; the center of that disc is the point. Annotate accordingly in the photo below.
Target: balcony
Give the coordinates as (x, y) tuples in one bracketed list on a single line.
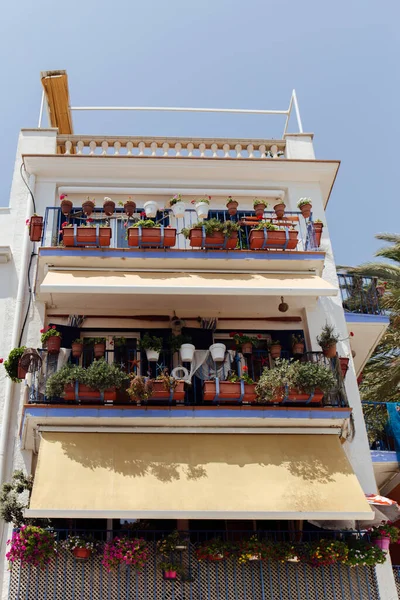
[(71, 578)]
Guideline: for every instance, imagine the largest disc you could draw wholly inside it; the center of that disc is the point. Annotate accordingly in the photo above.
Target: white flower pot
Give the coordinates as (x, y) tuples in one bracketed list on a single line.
[(187, 352), (150, 208), (202, 209), (218, 352), (152, 355), (179, 210)]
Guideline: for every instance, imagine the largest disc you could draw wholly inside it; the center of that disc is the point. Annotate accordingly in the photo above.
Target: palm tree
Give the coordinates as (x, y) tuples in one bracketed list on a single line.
[(381, 375)]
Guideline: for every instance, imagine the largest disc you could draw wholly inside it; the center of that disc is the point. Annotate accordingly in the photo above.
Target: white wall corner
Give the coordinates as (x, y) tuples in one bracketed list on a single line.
[(300, 145), (38, 141)]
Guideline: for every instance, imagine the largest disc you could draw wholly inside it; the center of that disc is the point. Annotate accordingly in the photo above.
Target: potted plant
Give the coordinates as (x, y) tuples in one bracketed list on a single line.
[(166, 387), (12, 365), (51, 339), (235, 388), (323, 553), (108, 206), (177, 206), (318, 227), (32, 546), (35, 227), (66, 205), (129, 206), (361, 553), (266, 235), (244, 342), (81, 547), (297, 344), (99, 346), (88, 206), (127, 552), (232, 206), (140, 389), (213, 233), (202, 206), (77, 348), (170, 569), (150, 208), (252, 549), (218, 352), (86, 235), (148, 233), (275, 349), (214, 550), (280, 209), (152, 346), (385, 534), (328, 339), (259, 205), (118, 342), (171, 542), (305, 204)]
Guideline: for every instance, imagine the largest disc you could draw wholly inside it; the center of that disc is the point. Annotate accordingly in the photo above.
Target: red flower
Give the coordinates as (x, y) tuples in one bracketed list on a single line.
[(259, 336), (53, 327), (241, 334), (245, 369), (193, 202), (260, 217), (351, 334), (232, 334), (42, 331), (89, 220), (63, 196), (143, 214), (64, 224), (1, 360), (27, 222)]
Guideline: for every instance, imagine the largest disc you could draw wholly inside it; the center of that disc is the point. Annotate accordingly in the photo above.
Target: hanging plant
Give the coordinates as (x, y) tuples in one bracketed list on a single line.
[(11, 364), (124, 551), (33, 546)]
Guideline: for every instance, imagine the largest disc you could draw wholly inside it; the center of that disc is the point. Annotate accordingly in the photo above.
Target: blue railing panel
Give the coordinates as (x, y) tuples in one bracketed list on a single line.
[(360, 294)]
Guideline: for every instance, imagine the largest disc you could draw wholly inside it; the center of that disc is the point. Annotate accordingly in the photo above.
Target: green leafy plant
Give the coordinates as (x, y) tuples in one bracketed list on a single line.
[(140, 388), (14, 498), (328, 337), (234, 378), (229, 200), (205, 199), (119, 342), (252, 549), (241, 338), (258, 201), (171, 565), (265, 225), (150, 342), (386, 530), (49, 332), (11, 364), (175, 199), (101, 375), (303, 202), (32, 546), (73, 542), (78, 341), (176, 341), (274, 343), (92, 341), (145, 224), (214, 549), (363, 553), (68, 374), (318, 221), (323, 553), (297, 339), (170, 542), (213, 226)]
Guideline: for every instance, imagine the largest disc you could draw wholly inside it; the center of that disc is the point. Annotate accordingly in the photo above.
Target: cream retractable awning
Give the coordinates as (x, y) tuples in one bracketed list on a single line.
[(188, 284), (186, 476)]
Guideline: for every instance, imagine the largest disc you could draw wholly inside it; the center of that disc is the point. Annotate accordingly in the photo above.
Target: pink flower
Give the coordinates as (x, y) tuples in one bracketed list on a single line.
[(1, 360), (42, 330), (27, 222), (63, 196), (53, 327)]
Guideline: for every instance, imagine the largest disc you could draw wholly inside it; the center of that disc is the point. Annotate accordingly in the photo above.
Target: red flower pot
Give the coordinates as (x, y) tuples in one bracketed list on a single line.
[(82, 553), (151, 236), (228, 391), (35, 229), (99, 350), (259, 209), (296, 396), (87, 394), (86, 236), (275, 240), (215, 240), (66, 207), (77, 349), (53, 344), (317, 233)]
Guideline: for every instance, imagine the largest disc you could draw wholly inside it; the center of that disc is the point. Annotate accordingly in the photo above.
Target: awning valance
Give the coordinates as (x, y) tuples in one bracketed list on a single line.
[(186, 476), (188, 284)]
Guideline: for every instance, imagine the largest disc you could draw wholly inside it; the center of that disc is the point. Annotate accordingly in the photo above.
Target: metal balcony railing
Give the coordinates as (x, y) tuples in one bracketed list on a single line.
[(377, 422), (119, 222), (360, 294)]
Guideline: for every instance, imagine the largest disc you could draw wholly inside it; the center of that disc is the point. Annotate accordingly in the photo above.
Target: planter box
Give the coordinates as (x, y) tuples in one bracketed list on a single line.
[(86, 236), (160, 393), (86, 394), (272, 239), (228, 391), (299, 397), (151, 237), (216, 240)]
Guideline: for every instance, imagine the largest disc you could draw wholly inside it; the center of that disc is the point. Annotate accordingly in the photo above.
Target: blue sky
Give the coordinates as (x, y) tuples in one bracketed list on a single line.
[(342, 58)]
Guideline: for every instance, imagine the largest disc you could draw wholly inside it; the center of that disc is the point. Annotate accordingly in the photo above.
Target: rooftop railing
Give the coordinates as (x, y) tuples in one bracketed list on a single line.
[(360, 294)]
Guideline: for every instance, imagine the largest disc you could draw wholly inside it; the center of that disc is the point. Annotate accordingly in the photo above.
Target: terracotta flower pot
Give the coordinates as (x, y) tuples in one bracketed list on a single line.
[(66, 207), (305, 210), (151, 237), (21, 371), (82, 553), (53, 344), (298, 397), (86, 236), (129, 207), (275, 351), (229, 391), (160, 393), (247, 348), (88, 207), (298, 348), (77, 349), (329, 351), (275, 240), (318, 227), (344, 365), (232, 207), (86, 393), (169, 574), (109, 207), (279, 209), (99, 350), (259, 209), (216, 240), (35, 229)]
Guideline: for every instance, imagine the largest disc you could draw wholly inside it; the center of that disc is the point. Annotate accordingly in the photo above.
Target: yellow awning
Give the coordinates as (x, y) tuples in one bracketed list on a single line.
[(210, 476), (189, 284)]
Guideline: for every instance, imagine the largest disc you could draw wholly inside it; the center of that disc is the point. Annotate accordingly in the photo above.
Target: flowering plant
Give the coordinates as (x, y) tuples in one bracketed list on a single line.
[(303, 202), (252, 549), (361, 553), (266, 225), (206, 200), (323, 553), (386, 530), (258, 201), (76, 541), (242, 338), (48, 332), (32, 546), (229, 200), (175, 199), (170, 543), (132, 552), (215, 549), (234, 378)]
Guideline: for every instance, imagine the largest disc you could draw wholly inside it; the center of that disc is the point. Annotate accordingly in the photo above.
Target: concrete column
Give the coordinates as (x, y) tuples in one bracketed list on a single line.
[(299, 145)]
